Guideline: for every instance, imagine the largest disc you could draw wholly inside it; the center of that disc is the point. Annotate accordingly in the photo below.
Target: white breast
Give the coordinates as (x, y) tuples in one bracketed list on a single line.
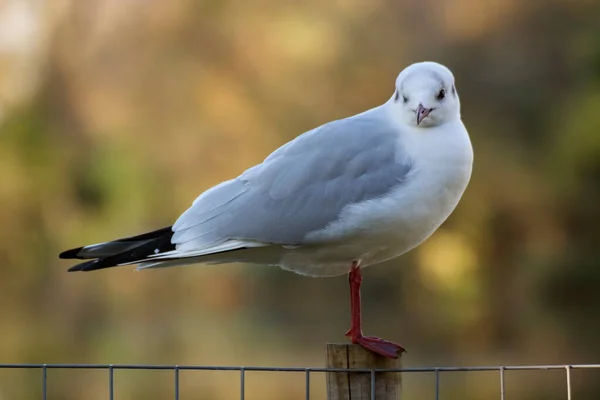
[(443, 159), (380, 229)]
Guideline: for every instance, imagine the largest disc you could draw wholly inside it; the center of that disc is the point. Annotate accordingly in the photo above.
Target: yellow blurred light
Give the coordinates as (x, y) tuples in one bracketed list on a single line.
[(303, 38), (445, 261)]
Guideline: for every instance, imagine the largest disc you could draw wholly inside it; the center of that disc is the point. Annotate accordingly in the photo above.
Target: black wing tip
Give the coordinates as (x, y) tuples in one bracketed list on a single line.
[(70, 254), (75, 268), (85, 266), (166, 231), (152, 241)]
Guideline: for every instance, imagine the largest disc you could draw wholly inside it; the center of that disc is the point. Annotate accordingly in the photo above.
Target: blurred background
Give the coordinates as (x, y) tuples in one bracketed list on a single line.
[(116, 114)]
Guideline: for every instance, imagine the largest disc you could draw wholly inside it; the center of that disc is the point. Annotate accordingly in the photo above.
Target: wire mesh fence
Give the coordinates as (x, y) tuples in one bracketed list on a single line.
[(307, 371)]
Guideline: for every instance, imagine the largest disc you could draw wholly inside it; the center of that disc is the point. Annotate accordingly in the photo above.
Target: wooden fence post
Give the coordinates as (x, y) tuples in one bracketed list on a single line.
[(357, 385)]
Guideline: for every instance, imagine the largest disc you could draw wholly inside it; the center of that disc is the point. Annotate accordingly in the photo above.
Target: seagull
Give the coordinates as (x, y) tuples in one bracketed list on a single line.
[(349, 194)]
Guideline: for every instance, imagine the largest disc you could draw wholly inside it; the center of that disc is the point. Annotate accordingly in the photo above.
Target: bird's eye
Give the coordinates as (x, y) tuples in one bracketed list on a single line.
[(441, 95), (405, 99)]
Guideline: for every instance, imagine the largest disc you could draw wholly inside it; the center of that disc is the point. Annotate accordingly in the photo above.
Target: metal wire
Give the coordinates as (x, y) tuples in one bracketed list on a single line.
[(306, 370), (242, 383), (297, 369), (111, 382), (568, 369), (44, 382), (307, 383), (437, 384), (176, 382), (502, 382)]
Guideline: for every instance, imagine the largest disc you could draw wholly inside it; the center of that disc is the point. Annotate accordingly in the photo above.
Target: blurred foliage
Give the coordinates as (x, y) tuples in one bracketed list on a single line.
[(115, 115)]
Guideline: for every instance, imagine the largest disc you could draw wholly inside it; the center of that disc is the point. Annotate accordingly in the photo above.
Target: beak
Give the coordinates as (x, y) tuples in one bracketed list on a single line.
[(422, 112)]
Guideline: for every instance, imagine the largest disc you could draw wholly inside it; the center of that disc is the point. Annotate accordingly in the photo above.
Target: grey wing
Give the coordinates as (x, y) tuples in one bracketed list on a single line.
[(300, 188)]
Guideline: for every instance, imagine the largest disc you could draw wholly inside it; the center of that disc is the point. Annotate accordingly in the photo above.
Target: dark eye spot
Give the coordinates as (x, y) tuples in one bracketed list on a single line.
[(405, 99), (441, 95)]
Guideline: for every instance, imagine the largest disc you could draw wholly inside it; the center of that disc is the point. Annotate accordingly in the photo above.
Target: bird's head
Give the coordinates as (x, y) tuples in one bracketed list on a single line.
[(426, 95)]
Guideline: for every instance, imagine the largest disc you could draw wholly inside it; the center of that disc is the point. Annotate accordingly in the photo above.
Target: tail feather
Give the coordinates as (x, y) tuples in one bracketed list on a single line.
[(120, 251)]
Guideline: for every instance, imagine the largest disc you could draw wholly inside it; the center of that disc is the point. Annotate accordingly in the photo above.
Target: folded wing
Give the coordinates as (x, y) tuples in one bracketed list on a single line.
[(300, 188)]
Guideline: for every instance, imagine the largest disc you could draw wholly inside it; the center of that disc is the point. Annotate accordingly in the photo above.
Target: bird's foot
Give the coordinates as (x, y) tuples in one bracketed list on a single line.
[(376, 345)]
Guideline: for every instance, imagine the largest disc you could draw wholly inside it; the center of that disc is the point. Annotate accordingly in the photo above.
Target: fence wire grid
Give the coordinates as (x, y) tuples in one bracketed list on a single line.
[(111, 368)]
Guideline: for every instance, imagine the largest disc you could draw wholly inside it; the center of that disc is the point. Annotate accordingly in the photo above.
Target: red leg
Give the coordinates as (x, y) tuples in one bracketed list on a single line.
[(372, 343)]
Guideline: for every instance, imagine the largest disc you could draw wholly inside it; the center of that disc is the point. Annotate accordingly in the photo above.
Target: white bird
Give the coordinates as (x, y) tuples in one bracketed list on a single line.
[(346, 195)]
